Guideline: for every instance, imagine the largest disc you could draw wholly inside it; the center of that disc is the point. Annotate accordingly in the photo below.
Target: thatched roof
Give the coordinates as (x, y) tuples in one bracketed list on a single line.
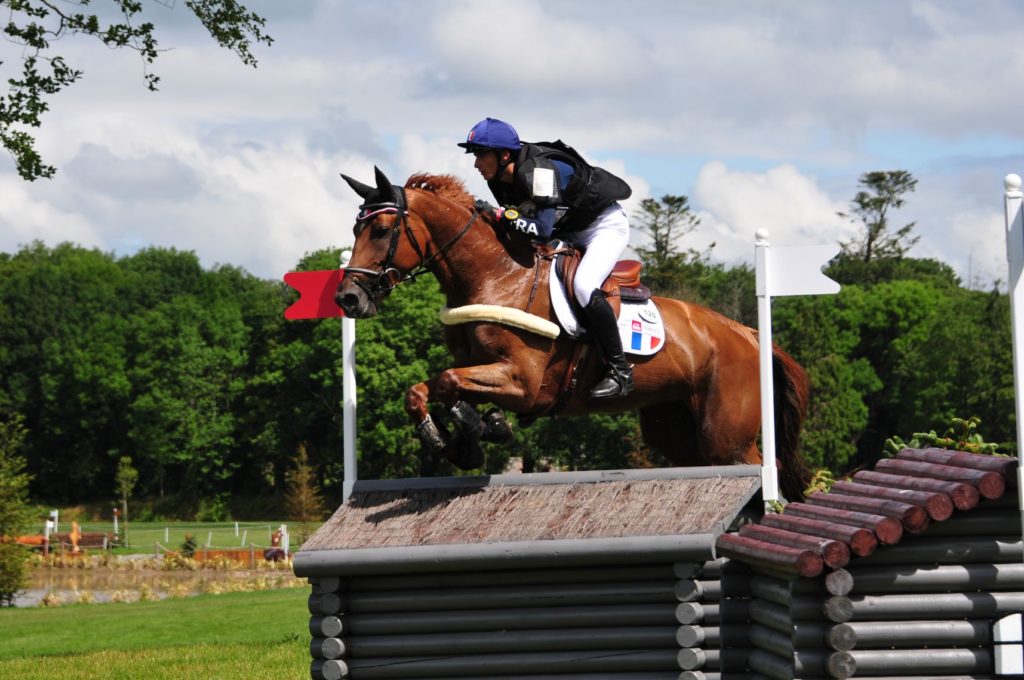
[(513, 517)]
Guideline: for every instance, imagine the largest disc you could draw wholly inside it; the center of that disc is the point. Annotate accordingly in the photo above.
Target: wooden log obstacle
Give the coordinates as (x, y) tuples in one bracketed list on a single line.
[(670, 574)]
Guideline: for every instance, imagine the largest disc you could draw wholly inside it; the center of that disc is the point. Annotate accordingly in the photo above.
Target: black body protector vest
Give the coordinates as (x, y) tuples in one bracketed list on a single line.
[(590, 189)]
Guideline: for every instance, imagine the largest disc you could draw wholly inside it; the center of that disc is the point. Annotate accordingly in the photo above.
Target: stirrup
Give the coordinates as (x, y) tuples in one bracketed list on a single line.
[(613, 385)]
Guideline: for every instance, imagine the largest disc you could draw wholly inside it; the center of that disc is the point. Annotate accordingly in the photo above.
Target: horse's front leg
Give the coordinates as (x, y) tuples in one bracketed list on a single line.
[(498, 382), (433, 437)]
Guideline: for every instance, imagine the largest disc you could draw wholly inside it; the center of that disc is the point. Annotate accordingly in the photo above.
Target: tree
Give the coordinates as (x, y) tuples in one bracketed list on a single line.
[(823, 334), (14, 509), (303, 501), (63, 328), (881, 192), (665, 221), (124, 483), (37, 24)]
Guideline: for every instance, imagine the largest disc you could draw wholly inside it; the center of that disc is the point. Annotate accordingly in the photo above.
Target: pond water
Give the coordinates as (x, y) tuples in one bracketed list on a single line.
[(70, 585)]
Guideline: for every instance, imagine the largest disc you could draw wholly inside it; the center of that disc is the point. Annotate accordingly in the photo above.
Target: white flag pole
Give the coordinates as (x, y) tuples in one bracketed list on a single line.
[(348, 395), (769, 473), (1012, 202)]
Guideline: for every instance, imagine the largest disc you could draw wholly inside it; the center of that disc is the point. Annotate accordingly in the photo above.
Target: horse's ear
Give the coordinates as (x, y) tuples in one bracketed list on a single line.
[(383, 183), (363, 190)]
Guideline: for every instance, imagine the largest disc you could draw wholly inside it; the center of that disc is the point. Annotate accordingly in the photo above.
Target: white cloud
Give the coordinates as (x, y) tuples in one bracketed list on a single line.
[(26, 218), (520, 47), (733, 205), (765, 113)]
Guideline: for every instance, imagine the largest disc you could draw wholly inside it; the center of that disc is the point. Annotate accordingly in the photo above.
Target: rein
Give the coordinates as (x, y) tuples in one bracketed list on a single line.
[(382, 284)]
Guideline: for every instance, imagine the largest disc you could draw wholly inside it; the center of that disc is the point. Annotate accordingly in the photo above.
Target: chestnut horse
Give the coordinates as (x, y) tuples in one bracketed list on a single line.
[(698, 398)]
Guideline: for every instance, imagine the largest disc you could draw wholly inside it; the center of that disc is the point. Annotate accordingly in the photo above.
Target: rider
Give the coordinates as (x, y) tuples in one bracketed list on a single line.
[(548, 188)]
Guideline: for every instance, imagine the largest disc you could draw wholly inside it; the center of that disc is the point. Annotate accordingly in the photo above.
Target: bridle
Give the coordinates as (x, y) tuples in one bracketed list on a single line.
[(389, 277)]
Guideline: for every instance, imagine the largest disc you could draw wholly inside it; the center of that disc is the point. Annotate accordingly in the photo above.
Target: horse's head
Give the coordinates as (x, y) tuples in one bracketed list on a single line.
[(381, 255), (396, 241)]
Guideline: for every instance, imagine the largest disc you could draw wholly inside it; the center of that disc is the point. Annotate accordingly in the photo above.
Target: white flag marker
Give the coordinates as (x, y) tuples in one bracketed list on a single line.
[(779, 271)]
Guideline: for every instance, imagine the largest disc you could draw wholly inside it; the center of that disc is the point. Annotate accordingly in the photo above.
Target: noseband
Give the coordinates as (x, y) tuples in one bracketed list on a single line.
[(381, 283)]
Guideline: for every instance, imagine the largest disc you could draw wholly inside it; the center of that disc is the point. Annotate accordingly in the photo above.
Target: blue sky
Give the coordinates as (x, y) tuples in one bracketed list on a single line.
[(764, 113)]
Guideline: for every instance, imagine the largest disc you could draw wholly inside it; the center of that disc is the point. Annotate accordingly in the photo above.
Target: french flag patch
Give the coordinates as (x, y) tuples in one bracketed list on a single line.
[(641, 328)]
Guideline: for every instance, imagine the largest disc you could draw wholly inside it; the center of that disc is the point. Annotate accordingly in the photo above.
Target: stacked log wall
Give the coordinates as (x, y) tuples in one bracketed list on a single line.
[(636, 622), (927, 606), (935, 559)]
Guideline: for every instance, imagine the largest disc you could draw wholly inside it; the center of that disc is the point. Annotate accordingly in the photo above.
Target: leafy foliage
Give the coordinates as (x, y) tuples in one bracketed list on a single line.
[(881, 192), (821, 481), (38, 24), (14, 510), (125, 480), (961, 435), (194, 373), (878, 254), (303, 501)]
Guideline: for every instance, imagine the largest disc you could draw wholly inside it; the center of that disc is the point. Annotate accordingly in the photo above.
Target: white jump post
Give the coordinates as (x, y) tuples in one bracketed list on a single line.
[(791, 270), (1012, 203), (769, 470), (348, 395)]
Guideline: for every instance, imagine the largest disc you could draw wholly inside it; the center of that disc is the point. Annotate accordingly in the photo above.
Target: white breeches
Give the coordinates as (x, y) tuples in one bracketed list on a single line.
[(604, 241)]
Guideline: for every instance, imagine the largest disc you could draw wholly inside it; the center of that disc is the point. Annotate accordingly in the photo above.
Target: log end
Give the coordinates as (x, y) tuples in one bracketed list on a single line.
[(839, 582), (838, 609), (966, 497), (689, 612), (690, 636), (842, 637), (889, 531), (863, 543), (835, 554), (688, 591), (992, 485), (330, 669), (841, 665), (916, 519), (691, 659), (939, 507)]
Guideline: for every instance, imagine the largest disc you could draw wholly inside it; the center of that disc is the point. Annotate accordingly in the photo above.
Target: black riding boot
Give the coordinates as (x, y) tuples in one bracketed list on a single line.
[(618, 378)]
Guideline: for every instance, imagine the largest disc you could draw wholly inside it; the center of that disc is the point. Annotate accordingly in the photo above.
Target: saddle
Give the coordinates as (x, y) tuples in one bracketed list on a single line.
[(623, 285)]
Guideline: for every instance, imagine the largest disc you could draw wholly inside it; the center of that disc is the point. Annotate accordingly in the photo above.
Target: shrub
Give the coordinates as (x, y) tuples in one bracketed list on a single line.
[(13, 571)]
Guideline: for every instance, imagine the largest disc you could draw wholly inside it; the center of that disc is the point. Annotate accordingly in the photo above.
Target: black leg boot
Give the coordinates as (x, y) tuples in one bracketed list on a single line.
[(618, 378)]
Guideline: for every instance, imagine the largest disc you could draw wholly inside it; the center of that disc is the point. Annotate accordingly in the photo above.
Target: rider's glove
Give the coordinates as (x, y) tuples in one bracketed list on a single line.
[(517, 223)]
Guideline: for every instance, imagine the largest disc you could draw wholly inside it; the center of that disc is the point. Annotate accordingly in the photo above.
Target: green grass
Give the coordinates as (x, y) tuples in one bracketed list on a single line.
[(237, 661), (235, 635), (143, 536)]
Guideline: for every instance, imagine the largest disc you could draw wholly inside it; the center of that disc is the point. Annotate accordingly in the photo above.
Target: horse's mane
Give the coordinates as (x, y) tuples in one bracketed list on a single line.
[(445, 186)]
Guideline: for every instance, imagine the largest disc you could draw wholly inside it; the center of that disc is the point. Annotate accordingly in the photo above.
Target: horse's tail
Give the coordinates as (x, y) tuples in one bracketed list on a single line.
[(792, 389)]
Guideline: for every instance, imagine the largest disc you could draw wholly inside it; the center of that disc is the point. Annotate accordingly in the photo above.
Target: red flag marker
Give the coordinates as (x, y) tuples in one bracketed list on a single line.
[(316, 294)]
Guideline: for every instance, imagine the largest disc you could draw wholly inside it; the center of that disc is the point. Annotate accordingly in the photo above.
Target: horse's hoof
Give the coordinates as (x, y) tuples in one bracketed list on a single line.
[(431, 436), (467, 421), (466, 455), (496, 427)]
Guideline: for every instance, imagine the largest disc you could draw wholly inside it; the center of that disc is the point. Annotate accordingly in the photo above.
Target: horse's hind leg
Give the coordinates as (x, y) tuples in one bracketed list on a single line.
[(669, 428)]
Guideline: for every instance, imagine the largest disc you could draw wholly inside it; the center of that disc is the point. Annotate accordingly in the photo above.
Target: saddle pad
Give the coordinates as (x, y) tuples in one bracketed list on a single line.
[(641, 328), (640, 325)]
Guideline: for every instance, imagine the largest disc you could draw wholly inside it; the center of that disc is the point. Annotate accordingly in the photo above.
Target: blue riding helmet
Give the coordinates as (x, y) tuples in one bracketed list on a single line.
[(491, 133)]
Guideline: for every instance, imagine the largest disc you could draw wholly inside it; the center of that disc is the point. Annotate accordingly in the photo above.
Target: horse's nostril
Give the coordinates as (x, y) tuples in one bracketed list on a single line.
[(349, 302)]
